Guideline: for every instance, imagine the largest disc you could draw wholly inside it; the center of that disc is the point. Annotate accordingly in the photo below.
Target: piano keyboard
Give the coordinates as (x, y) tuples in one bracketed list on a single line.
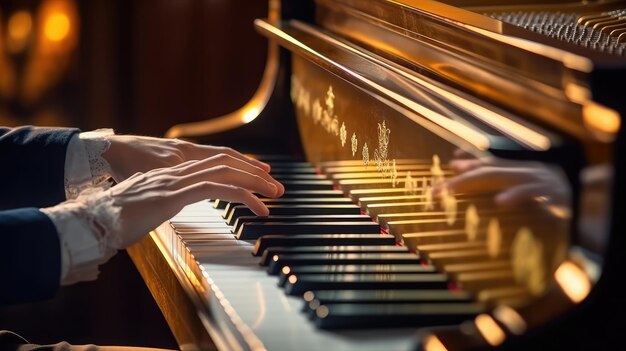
[(342, 256)]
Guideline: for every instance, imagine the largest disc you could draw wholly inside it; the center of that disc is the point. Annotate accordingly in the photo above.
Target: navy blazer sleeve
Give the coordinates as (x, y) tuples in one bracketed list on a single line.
[(30, 256), (32, 164)]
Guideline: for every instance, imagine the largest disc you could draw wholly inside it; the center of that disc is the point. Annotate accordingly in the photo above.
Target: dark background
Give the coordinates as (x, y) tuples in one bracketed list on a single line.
[(139, 67)]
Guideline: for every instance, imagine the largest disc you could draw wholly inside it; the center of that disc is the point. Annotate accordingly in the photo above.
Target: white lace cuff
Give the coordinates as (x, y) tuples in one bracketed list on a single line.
[(86, 228), (84, 165)]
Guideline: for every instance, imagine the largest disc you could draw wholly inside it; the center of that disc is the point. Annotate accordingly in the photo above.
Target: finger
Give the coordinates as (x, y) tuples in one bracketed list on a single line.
[(520, 194), (203, 151), (230, 161), (465, 165), (460, 153), (230, 176), (205, 190)]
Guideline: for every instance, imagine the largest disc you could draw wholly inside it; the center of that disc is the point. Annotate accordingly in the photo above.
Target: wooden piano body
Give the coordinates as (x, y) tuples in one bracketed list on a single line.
[(373, 83)]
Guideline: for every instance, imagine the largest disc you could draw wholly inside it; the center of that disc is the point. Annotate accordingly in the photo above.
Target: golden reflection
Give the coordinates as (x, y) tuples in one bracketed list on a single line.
[(511, 319), (472, 220), (250, 114), (602, 121), (494, 238), (489, 329), (314, 304), (286, 270), (293, 279), (322, 311), (19, 28), (432, 343), (527, 261), (573, 281)]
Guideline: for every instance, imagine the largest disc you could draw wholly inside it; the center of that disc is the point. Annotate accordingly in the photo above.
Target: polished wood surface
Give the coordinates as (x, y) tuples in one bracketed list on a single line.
[(374, 84)]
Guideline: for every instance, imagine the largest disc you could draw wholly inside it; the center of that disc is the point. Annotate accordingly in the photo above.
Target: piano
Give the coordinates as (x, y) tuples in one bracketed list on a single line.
[(453, 169)]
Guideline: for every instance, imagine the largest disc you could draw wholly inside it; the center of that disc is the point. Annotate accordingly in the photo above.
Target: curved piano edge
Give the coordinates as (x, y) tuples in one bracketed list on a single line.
[(195, 325), (246, 114), (252, 109)]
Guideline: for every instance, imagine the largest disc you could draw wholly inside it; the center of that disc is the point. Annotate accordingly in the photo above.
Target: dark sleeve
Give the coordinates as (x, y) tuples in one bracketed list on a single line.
[(30, 256), (32, 165)]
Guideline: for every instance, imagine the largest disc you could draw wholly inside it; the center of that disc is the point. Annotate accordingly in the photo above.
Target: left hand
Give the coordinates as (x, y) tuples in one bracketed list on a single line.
[(515, 182), (129, 154)]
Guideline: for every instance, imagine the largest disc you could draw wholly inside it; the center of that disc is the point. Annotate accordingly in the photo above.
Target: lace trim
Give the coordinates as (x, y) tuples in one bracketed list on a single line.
[(102, 215), (88, 228), (96, 144)]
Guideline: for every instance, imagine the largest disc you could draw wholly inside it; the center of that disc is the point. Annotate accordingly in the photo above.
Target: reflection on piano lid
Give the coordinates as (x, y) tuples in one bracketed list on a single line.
[(454, 188)]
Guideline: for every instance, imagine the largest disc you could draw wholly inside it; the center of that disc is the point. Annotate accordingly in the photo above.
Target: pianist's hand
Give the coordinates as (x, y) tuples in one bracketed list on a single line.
[(515, 182), (129, 154), (148, 199)]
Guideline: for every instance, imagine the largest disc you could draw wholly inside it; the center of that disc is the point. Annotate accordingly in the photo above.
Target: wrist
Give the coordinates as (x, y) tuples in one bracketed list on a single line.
[(86, 235)]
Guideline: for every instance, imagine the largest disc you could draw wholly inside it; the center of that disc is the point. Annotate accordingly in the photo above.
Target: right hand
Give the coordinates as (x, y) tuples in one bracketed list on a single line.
[(148, 199)]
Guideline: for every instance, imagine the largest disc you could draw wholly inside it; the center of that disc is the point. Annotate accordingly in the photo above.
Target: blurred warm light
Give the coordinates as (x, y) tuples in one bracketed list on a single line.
[(54, 37), (511, 319), (602, 121), (573, 281), (489, 329), (432, 343), (18, 30), (57, 26)]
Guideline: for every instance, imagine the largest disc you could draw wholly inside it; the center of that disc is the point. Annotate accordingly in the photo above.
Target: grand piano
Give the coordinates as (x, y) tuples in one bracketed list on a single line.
[(453, 172)]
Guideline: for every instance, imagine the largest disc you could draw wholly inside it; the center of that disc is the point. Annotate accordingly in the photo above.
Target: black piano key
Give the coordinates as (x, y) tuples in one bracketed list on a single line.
[(348, 185), (295, 176), (357, 194), (308, 184), (417, 268), (269, 253), (268, 241), (314, 299), (353, 316), (364, 201), (290, 164), (385, 218), (299, 284), (293, 201), (312, 193), (294, 170), (254, 230), (297, 218), (273, 159), (398, 228), (288, 210), (220, 204), (279, 261), (327, 165)]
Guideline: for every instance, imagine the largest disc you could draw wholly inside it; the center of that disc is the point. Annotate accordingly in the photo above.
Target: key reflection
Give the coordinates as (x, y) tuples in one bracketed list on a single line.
[(528, 219)]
